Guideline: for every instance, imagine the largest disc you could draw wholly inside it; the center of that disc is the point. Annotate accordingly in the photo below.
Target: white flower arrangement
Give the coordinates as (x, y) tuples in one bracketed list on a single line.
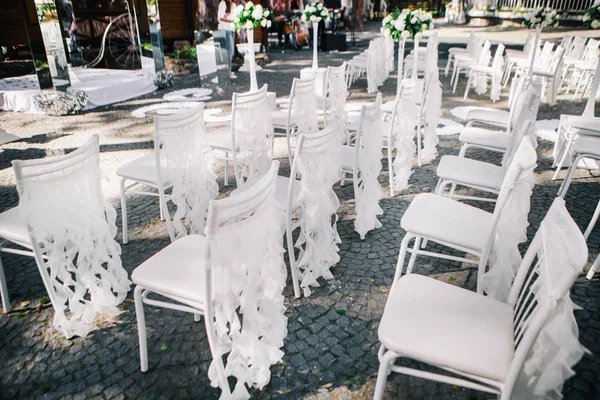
[(315, 12), (406, 23), (591, 19), (542, 17), (249, 16)]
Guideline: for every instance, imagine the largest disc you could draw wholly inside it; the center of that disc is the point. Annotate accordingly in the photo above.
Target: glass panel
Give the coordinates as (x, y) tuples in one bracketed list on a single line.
[(56, 56)]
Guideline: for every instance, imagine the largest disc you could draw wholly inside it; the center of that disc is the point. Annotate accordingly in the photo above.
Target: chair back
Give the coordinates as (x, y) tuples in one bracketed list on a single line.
[(336, 91), (190, 113), (519, 171), (498, 57), (590, 105), (566, 42), (529, 43), (552, 263), (251, 133), (250, 221), (575, 51), (590, 50), (72, 232), (472, 43), (484, 54), (303, 103), (181, 162), (556, 61), (527, 100), (545, 55)]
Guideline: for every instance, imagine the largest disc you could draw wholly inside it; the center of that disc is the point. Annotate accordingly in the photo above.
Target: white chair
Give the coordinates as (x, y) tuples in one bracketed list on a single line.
[(472, 43), (463, 61), (197, 274), (143, 171), (456, 171), (301, 114), (14, 239), (579, 57), (459, 226), (336, 93), (494, 71), (481, 342), (551, 76), (247, 141), (71, 230), (514, 58), (311, 202), (498, 140)]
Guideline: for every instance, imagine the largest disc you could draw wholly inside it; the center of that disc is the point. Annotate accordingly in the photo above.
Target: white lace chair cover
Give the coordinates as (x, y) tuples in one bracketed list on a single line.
[(377, 65), (317, 205), (367, 190), (433, 102), (183, 159), (252, 130), (511, 228), (480, 84), (337, 90), (403, 135), (72, 230), (248, 286), (561, 255), (389, 54), (304, 105)]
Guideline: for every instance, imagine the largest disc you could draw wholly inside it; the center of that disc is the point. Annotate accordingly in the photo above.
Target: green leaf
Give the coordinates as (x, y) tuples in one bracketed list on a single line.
[(341, 312), (164, 347), (353, 381)]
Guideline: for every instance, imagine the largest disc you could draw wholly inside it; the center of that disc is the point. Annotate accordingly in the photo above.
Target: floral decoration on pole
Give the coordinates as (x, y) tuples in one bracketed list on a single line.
[(248, 17), (400, 25), (591, 19), (542, 17), (315, 13)]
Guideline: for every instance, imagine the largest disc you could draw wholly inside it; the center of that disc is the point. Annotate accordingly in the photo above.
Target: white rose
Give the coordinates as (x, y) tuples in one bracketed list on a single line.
[(303, 18), (544, 24), (387, 32), (595, 24), (249, 25), (263, 23), (266, 14), (257, 14), (418, 36), (388, 18), (413, 20), (423, 27), (246, 13), (236, 20), (313, 18), (268, 23), (249, 4), (259, 7), (586, 17), (238, 10), (399, 25), (405, 34)]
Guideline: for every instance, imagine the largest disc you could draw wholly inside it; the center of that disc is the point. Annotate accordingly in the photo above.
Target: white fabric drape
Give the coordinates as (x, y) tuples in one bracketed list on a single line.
[(433, 102), (557, 348), (305, 107), (249, 302), (188, 167), (368, 191), (76, 229), (403, 137), (377, 64), (317, 206)]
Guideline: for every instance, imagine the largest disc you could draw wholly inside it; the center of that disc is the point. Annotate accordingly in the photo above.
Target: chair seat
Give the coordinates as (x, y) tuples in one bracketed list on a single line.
[(442, 219), (448, 326), (465, 58), (585, 144), (491, 117), (220, 138), (515, 53), (176, 270), (13, 227), (471, 172), (581, 122), (348, 154), (484, 137), (457, 50), (280, 118), (482, 69), (142, 169)]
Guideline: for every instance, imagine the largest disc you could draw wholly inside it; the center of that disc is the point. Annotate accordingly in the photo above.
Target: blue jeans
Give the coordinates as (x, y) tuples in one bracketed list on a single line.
[(229, 43)]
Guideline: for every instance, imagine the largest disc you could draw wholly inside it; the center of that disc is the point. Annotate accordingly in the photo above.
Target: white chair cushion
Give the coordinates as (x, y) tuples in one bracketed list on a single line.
[(585, 144), (13, 227), (142, 169), (581, 122), (471, 172), (348, 157), (176, 270), (448, 326), (491, 117), (220, 138), (484, 137), (279, 118), (440, 218)]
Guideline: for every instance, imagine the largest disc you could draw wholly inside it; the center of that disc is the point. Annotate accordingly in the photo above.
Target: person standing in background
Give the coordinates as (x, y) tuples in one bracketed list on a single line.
[(226, 24)]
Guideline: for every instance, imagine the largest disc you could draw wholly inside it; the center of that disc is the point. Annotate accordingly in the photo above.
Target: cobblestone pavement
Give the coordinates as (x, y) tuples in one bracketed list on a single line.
[(331, 347)]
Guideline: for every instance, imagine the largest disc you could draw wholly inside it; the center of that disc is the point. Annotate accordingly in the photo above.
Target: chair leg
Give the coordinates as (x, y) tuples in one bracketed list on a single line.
[(413, 256), (454, 72), (197, 317), (592, 224), (141, 322), (419, 142), (456, 80), (562, 191), (391, 168), (463, 149), (401, 256), (469, 80), (565, 153), (343, 180), (292, 258), (384, 365), (594, 268), (161, 210), (124, 211), (448, 65), (289, 145), (4, 290), (226, 178)]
